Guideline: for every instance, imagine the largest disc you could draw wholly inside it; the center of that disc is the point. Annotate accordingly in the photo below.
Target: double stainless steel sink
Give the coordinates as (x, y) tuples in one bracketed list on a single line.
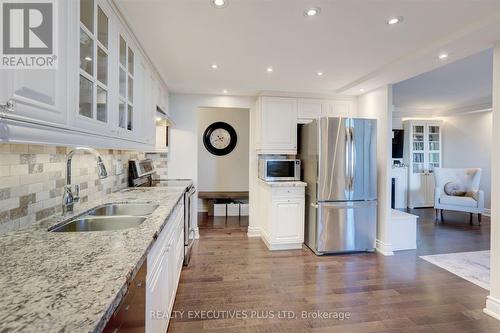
[(109, 217)]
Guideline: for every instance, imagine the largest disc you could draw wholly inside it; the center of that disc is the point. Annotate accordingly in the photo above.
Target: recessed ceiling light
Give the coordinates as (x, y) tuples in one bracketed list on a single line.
[(219, 3), (214, 66), (319, 73), (224, 91), (88, 58), (443, 56), (394, 20), (361, 90), (313, 11), (269, 69)]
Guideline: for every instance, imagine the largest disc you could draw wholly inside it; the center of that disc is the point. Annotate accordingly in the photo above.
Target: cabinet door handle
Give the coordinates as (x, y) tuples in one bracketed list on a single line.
[(314, 205)]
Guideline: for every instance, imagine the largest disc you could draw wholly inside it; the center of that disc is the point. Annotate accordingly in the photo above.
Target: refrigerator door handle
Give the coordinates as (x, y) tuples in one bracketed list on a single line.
[(347, 157), (353, 159)]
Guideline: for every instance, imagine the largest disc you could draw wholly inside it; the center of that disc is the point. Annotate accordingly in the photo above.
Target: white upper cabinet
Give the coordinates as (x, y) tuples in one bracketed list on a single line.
[(340, 108), (161, 95), (146, 104), (277, 125), (309, 109), (40, 95), (128, 88), (90, 67), (102, 93)]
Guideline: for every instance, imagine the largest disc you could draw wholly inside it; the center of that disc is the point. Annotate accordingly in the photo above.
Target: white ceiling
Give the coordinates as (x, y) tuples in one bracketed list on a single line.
[(455, 86), (349, 41)]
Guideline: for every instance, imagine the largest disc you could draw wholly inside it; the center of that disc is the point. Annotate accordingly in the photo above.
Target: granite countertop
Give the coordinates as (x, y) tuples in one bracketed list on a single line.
[(296, 183), (73, 281)]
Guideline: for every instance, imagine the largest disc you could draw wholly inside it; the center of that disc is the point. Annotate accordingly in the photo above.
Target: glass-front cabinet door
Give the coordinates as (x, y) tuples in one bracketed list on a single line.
[(107, 90), (418, 149), (425, 147), (94, 57), (434, 146), (126, 86)]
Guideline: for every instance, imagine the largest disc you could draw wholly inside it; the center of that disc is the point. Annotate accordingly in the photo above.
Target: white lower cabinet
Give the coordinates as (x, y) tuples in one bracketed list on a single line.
[(421, 190), (164, 267), (282, 216)]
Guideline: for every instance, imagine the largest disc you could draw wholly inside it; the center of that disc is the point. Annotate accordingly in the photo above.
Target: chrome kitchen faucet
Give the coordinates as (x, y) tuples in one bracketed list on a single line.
[(68, 197)]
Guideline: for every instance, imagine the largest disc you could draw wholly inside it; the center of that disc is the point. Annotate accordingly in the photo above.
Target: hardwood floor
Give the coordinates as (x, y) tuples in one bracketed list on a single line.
[(219, 222), (397, 294)]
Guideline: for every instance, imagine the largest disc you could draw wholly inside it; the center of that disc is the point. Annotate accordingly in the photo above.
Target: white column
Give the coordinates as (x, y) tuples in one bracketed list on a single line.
[(493, 300), (377, 104), (253, 218)]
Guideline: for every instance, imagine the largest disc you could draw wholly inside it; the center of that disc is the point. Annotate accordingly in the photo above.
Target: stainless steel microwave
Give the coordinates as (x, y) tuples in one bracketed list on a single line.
[(271, 170)]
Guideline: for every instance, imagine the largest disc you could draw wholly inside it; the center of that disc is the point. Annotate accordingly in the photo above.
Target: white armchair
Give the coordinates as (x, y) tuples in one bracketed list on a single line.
[(472, 202)]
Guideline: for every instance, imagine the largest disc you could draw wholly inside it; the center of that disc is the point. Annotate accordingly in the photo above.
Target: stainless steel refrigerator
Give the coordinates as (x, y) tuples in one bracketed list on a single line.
[(339, 164)]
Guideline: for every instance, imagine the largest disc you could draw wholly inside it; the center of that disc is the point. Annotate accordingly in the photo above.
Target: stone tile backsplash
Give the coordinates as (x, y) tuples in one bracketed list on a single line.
[(160, 164), (32, 179)]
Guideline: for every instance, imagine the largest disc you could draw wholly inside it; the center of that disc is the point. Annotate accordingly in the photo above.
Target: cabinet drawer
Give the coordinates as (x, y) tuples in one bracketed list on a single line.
[(288, 191)]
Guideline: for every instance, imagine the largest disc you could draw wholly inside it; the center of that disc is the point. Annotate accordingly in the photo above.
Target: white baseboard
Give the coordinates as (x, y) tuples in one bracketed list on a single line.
[(487, 212), (253, 231), (281, 247), (383, 248), (492, 307), (196, 233)]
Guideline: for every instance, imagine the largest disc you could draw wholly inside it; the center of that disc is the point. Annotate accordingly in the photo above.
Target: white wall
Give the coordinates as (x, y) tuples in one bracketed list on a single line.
[(377, 104), (467, 144), (183, 160), (228, 172)]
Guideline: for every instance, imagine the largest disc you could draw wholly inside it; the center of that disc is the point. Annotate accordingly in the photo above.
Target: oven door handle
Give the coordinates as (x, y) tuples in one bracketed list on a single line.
[(191, 191)]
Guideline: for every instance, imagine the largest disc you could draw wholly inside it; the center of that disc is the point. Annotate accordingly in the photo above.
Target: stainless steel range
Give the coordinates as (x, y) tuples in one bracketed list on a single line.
[(141, 175)]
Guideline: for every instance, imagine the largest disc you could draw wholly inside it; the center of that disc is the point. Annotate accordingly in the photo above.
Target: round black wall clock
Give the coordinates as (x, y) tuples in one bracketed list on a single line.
[(220, 138)]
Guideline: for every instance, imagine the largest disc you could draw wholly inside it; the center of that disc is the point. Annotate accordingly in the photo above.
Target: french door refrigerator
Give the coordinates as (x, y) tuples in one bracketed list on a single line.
[(339, 161)]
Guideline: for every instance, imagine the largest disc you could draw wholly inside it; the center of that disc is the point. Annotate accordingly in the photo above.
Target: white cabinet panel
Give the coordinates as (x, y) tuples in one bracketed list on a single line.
[(282, 216), (41, 95), (288, 226), (417, 191), (339, 109), (310, 109), (149, 126), (430, 186), (277, 125), (164, 266)]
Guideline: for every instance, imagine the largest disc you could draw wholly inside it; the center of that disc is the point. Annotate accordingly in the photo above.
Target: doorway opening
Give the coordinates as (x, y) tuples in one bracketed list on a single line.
[(223, 138), (441, 156)]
